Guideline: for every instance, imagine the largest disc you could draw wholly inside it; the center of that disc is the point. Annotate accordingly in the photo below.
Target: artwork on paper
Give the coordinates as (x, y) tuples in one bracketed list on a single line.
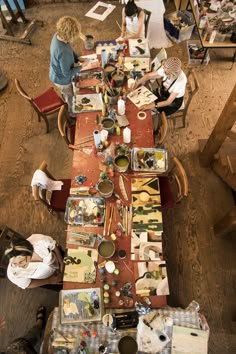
[(100, 11), (189, 341), (80, 305), (109, 46), (151, 278), (146, 219), (81, 238), (86, 211), (88, 79), (87, 103), (145, 191), (141, 96), (80, 265), (139, 47), (139, 64)]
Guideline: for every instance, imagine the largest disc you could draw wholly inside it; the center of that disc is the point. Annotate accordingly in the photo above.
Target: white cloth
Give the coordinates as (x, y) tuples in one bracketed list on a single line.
[(156, 32), (42, 180), (132, 25), (179, 85), (43, 247)]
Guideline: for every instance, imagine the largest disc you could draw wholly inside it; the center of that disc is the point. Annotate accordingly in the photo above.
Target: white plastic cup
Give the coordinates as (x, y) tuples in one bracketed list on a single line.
[(131, 83), (103, 135)]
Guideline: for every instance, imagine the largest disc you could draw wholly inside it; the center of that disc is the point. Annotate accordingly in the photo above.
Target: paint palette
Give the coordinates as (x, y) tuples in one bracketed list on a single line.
[(86, 211), (149, 160)]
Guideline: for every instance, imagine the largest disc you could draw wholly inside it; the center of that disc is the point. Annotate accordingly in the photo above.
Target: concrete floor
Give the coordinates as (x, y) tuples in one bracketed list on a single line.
[(200, 266)]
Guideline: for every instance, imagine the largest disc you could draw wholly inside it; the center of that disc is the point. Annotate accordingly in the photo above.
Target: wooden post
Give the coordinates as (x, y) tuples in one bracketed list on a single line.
[(219, 133), (226, 224)]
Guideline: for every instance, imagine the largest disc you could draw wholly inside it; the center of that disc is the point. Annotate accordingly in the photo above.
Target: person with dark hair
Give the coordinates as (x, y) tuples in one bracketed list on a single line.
[(26, 344), (34, 262), (132, 21)]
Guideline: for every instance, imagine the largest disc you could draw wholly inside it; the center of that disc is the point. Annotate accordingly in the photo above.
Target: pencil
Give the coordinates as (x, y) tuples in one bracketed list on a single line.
[(118, 25)]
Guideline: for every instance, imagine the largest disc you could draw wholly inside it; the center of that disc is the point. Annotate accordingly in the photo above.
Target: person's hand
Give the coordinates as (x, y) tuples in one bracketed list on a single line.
[(147, 106), (2, 323)]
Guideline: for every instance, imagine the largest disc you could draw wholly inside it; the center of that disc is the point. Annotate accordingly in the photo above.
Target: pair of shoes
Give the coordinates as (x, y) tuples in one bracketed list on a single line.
[(41, 315)]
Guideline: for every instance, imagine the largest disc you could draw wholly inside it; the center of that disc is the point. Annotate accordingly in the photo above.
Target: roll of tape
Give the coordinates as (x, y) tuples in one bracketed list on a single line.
[(142, 115)]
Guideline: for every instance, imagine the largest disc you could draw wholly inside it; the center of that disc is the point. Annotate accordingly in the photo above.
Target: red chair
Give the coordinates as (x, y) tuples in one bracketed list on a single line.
[(55, 201), (45, 104), (174, 187), (67, 132)]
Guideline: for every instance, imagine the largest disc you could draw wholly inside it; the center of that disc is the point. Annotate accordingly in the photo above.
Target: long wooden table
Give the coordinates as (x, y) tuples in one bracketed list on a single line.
[(88, 165)]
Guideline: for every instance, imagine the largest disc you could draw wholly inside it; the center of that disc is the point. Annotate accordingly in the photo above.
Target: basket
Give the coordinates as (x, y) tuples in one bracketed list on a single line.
[(184, 33)]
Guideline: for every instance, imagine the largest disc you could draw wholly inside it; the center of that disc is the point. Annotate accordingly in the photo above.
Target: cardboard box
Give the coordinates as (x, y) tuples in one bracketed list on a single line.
[(196, 53), (173, 32)]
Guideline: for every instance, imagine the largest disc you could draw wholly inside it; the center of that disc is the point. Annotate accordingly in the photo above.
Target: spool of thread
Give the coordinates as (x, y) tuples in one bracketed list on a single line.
[(97, 138), (104, 57)]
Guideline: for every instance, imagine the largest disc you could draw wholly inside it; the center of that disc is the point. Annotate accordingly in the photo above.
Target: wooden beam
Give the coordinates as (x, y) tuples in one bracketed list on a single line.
[(226, 224), (231, 135), (219, 133)]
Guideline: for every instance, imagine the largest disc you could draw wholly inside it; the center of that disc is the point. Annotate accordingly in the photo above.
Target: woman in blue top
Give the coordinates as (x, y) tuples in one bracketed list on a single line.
[(64, 62)]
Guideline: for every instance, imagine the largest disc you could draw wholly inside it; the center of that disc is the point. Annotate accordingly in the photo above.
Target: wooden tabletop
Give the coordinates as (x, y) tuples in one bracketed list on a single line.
[(88, 165)]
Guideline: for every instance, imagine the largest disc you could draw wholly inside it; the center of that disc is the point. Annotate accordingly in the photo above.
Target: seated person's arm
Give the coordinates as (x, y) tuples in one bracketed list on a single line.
[(123, 25), (149, 76), (140, 25), (169, 100), (53, 279), (59, 258)]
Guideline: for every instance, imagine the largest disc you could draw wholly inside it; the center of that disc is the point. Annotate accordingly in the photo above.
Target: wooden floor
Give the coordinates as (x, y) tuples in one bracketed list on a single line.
[(200, 266)]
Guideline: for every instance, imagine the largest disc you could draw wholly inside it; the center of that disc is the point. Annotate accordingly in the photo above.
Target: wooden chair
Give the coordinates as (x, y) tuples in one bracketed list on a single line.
[(147, 15), (67, 133), (162, 131), (174, 187), (45, 104), (55, 201), (191, 89)]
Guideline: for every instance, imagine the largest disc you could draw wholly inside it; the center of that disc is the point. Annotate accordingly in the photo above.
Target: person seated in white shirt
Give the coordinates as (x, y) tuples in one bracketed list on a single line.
[(174, 80), (132, 21), (35, 261)]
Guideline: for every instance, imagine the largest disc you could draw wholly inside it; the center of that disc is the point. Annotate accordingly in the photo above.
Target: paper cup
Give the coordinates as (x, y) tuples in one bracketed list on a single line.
[(130, 83)]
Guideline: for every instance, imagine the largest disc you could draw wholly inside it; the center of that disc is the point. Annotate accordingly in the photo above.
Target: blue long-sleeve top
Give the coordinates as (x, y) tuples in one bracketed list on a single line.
[(62, 59)]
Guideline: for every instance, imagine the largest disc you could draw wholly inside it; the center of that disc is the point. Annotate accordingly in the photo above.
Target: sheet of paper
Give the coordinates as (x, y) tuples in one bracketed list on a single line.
[(100, 11)]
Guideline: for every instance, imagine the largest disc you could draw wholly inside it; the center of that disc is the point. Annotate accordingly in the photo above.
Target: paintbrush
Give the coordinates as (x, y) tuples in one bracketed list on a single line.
[(118, 25), (111, 217), (104, 227)]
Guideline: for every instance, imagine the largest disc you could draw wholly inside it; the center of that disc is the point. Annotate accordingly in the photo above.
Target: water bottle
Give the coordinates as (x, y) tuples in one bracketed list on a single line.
[(121, 106), (104, 57)]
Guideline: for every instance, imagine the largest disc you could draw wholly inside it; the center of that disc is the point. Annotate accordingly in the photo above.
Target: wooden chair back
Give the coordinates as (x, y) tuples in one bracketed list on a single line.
[(162, 130), (179, 180), (147, 15), (22, 92), (62, 123), (192, 88)]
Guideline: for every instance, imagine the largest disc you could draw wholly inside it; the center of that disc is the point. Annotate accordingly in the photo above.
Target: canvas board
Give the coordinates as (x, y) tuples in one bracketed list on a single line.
[(81, 238), (138, 63), (100, 11), (139, 47), (80, 305), (141, 96), (80, 265), (151, 278), (95, 103)]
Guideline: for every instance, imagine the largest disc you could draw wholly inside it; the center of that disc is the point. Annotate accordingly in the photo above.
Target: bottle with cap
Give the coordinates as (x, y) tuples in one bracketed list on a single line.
[(126, 135), (104, 57), (121, 106)]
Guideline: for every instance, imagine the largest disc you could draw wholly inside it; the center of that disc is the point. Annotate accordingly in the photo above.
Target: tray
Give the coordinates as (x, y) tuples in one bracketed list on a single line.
[(149, 160), (86, 211)]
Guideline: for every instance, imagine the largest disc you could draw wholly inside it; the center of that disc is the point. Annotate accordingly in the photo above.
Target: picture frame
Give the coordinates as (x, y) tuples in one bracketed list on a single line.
[(80, 305), (100, 11)]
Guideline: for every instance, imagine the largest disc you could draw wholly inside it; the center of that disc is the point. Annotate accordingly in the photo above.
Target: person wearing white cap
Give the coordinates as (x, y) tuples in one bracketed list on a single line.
[(171, 93)]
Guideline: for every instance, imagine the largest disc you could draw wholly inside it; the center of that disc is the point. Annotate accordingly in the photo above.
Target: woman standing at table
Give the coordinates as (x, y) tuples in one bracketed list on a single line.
[(172, 90), (34, 261), (64, 62), (132, 21)]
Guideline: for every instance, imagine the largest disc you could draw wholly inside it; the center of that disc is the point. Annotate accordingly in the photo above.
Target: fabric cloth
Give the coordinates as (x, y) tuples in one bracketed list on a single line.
[(41, 180), (67, 94), (62, 59), (132, 25), (26, 343), (43, 247)]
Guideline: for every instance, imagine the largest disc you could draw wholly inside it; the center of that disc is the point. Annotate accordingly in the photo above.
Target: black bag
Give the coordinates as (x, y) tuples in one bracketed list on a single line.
[(233, 37), (162, 94)]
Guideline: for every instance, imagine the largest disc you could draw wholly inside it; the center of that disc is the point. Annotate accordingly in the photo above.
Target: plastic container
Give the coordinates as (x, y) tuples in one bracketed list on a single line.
[(104, 57), (184, 33), (195, 53), (126, 135), (121, 106)]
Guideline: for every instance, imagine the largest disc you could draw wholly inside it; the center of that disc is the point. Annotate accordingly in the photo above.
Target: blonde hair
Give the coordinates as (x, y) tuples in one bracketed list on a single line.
[(68, 28)]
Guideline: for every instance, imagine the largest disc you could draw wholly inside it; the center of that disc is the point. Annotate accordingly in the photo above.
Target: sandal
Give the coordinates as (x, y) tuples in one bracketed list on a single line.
[(41, 314)]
